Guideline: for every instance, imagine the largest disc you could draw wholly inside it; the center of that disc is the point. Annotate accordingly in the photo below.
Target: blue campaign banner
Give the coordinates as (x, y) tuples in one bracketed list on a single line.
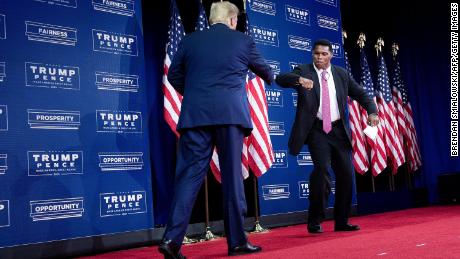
[(74, 158), (122, 7), (52, 76), (53, 119), (51, 33), (116, 43), (4, 213), (54, 163), (3, 118), (285, 31), (121, 161), (123, 203), (117, 82), (2, 26)]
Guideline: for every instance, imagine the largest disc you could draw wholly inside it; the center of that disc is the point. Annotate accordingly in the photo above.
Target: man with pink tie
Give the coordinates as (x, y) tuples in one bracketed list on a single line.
[(320, 122)]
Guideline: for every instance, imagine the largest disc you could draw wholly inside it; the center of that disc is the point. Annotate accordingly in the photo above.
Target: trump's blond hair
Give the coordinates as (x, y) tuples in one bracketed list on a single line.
[(221, 12)]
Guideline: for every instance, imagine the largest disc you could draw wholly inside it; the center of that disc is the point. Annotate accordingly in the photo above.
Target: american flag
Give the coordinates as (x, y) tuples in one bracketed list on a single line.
[(358, 140), (377, 149), (260, 149), (387, 113), (172, 99), (408, 135), (202, 22)]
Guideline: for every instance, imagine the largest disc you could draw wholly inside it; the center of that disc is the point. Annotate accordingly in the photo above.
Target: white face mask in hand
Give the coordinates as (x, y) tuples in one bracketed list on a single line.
[(371, 132)]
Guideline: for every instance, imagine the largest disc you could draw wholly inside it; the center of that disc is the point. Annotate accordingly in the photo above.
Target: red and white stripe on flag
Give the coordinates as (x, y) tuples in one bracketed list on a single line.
[(390, 127), (376, 147), (172, 99), (360, 158), (387, 113), (260, 150), (358, 140), (416, 162), (408, 135)]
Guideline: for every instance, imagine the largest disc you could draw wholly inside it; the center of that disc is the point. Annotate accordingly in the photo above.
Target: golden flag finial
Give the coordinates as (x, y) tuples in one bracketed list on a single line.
[(361, 40), (395, 49), (379, 45)]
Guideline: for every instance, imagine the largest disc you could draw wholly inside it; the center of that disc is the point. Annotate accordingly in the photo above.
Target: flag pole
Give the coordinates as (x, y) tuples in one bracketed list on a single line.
[(361, 42), (373, 183), (379, 50), (390, 180), (394, 182), (394, 52), (257, 227), (409, 178), (208, 234)]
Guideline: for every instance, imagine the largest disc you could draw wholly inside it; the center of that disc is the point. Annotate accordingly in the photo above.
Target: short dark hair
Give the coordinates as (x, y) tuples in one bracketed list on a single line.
[(323, 42)]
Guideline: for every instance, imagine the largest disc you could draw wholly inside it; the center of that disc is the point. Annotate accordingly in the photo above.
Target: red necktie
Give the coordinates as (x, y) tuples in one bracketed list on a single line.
[(326, 106)]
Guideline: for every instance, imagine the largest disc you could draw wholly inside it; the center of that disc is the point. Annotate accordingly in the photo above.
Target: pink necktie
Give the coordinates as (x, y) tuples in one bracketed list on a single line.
[(326, 107)]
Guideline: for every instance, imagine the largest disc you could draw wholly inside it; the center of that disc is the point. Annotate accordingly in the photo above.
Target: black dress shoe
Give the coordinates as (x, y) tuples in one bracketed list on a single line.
[(244, 249), (170, 250), (346, 227), (315, 229)]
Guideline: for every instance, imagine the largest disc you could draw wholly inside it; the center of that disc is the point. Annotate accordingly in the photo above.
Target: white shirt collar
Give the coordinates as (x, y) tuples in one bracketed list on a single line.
[(319, 71)]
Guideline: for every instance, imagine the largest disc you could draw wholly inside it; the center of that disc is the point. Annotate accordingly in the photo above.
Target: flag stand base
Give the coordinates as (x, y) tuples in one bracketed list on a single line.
[(258, 228), (208, 236), (188, 241)]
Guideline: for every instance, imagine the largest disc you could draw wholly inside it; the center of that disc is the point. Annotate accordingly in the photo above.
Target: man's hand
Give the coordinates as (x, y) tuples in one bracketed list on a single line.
[(373, 119), (306, 83)]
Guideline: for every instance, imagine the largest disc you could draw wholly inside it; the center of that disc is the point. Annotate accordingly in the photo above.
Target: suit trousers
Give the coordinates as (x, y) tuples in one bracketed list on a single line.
[(194, 154), (330, 150)]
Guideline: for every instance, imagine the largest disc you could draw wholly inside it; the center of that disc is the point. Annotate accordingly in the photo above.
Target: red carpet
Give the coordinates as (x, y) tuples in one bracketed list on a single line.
[(415, 233)]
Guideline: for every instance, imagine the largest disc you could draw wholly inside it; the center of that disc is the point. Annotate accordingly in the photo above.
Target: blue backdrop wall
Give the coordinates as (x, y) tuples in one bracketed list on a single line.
[(74, 155)]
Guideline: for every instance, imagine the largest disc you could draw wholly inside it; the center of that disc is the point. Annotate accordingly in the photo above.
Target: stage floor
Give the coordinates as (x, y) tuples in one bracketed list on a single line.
[(432, 232)]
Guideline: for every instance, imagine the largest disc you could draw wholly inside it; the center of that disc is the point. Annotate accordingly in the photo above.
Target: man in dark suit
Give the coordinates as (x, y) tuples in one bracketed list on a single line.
[(209, 70), (320, 123)]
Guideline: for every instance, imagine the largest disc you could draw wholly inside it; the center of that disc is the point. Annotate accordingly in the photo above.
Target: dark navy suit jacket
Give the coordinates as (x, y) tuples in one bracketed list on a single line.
[(308, 100), (209, 69)]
